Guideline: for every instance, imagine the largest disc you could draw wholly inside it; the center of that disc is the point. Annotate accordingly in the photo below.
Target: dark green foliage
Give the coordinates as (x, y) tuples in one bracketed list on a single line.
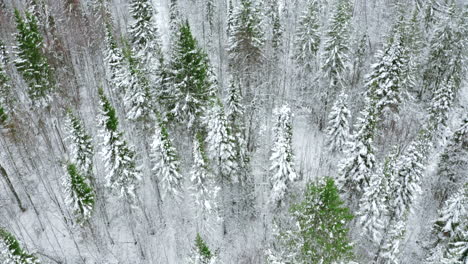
[(202, 247), (81, 195), (31, 62), (19, 255), (321, 235), (191, 77), (109, 111)]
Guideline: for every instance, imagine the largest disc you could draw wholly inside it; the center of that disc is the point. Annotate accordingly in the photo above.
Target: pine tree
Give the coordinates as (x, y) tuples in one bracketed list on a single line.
[(166, 162), (201, 253), (246, 40), (336, 51), (11, 251), (282, 158), (221, 146), (174, 18), (122, 174), (277, 32), (191, 77), (307, 37), (453, 162), (144, 35), (391, 248), (319, 234), (441, 104), (80, 196), (31, 62), (230, 19), (203, 186), (338, 124), (451, 229), (81, 147)]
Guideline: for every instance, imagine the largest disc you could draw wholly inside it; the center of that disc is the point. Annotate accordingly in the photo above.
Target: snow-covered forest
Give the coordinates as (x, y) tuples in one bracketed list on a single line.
[(233, 131)]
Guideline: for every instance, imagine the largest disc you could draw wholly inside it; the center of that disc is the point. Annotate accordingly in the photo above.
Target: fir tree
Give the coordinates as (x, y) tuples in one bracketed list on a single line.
[(31, 62), (391, 248), (11, 251), (221, 147), (338, 124), (80, 195), (336, 47), (201, 253), (230, 19), (166, 162), (307, 37), (122, 172), (81, 147), (246, 40), (174, 18), (191, 77), (282, 158), (441, 104), (209, 14), (277, 32), (453, 162), (204, 189), (320, 234)]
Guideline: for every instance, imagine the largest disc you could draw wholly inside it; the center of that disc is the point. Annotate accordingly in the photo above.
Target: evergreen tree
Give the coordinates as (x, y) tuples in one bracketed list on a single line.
[(246, 40), (320, 234), (230, 19), (338, 126), (6, 97), (204, 189), (31, 62), (277, 32), (453, 162), (166, 162), (359, 163), (282, 158), (336, 51), (307, 37), (80, 195), (201, 253), (81, 147), (192, 80), (384, 82), (174, 18), (221, 146), (441, 104), (451, 229), (144, 35), (115, 62), (122, 172), (138, 97), (209, 14), (391, 248), (11, 251)]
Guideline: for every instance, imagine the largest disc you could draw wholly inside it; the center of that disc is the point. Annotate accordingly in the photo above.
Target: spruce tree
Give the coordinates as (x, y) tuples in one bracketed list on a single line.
[(81, 147), (453, 162), (32, 62), (191, 77), (80, 196), (319, 234), (138, 96), (11, 251), (307, 37), (174, 18), (336, 51), (122, 174), (115, 62), (441, 104), (166, 162), (144, 35), (451, 229), (338, 124), (6, 97), (201, 253), (282, 158), (203, 186), (221, 146), (247, 39)]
